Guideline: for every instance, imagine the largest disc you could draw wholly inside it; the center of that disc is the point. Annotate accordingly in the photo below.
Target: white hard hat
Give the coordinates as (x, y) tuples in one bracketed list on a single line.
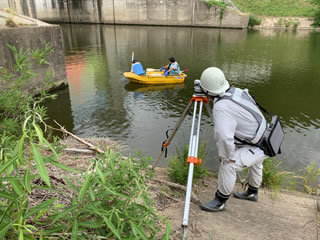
[(213, 81)]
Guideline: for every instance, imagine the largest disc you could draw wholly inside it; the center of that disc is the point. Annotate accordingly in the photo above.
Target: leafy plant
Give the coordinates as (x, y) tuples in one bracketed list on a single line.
[(295, 24), (40, 54), (178, 167), (287, 23), (308, 177), (254, 21), (18, 167), (316, 18), (221, 4), (272, 176), (112, 201)]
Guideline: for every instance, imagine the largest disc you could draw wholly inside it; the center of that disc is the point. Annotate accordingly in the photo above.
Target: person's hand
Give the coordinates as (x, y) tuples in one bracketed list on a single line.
[(166, 73), (161, 68)]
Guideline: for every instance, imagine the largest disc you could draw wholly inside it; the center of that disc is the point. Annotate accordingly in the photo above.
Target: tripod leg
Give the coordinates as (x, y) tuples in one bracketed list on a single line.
[(183, 116), (193, 152)]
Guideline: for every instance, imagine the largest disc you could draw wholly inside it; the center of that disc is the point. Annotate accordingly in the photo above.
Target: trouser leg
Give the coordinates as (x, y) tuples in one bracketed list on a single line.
[(245, 157), (255, 174), (227, 177)]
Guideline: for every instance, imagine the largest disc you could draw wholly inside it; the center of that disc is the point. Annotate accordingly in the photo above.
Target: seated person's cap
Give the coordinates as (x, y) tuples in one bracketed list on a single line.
[(134, 60)]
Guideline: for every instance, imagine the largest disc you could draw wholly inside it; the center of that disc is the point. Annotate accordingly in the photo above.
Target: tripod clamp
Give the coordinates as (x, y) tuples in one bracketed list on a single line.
[(197, 97)]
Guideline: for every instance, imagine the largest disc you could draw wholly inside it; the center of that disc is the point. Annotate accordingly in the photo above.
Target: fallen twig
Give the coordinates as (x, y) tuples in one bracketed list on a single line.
[(168, 196), (194, 197), (78, 150), (62, 129)]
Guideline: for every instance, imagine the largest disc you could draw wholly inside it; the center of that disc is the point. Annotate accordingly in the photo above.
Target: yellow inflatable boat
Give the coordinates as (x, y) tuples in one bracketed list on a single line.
[(155, 77)]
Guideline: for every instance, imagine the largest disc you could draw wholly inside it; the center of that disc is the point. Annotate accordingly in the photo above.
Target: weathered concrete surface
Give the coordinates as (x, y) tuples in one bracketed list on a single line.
[(215, 16), (278, 22), (31, 36), (144, 12)]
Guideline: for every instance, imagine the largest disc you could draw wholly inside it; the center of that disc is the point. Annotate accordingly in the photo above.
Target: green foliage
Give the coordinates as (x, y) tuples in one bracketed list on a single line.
[(14, 102), (112, 201), (295, 24), (17, 172), (40, 54), (316, 16), (272, 176), (178, 167), (221, 4), (308, 177), (254, 20), (287, 23), (280, 8)]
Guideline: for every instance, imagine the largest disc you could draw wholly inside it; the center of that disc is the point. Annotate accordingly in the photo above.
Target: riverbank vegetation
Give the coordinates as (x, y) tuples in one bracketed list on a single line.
[(276, 8), (110, 200), (280, 8)]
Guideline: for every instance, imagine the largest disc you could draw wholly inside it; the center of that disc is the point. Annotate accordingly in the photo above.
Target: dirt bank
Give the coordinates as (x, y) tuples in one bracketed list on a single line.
[(285, 215)]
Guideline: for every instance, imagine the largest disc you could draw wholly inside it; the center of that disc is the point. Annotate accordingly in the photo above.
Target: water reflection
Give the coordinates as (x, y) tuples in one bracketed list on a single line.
[(280, 68)]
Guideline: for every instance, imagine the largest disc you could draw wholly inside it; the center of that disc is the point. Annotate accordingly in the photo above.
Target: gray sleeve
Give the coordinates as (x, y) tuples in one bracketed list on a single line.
[(224, 130)]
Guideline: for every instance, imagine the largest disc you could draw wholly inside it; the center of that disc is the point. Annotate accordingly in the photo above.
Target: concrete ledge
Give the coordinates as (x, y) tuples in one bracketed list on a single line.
[(32, 37), (281, 22)]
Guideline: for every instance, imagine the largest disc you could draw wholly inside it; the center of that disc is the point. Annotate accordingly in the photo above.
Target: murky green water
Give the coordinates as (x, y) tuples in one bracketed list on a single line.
[(282, 69)]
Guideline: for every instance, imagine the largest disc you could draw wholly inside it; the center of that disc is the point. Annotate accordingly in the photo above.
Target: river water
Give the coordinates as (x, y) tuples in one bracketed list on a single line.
[(280, 68)]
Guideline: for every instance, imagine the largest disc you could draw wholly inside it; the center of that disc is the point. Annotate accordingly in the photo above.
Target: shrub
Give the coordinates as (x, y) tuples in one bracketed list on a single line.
[(254, 21), (316, 19), (272, 177), (295, 24), (308, 176), (178, 168), (287, 23)]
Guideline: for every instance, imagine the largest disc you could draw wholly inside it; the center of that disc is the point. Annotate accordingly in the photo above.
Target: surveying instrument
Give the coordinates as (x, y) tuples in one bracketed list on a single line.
[(198, 99)]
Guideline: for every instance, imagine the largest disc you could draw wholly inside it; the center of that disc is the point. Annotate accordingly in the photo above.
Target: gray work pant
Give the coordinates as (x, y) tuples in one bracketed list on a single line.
[(245, 157)]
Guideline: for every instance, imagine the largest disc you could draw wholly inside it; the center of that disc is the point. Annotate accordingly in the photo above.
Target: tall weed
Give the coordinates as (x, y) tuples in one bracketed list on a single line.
[(272, 177), (308, 177), (178, 167)]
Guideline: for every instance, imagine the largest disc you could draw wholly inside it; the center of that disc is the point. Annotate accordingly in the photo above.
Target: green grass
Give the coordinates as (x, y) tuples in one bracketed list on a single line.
[(178, 168), (277, 8)]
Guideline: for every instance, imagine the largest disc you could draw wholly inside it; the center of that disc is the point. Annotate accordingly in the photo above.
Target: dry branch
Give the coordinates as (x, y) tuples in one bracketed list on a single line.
[(75, 150), (62, 129), (194, 197)]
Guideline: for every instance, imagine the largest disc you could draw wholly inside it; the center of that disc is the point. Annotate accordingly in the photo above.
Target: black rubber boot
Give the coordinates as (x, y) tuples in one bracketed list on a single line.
[(251, 194), (217, 204)]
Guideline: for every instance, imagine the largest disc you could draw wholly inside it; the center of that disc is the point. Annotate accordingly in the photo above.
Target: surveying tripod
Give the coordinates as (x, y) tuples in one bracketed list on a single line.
[(198, 98)]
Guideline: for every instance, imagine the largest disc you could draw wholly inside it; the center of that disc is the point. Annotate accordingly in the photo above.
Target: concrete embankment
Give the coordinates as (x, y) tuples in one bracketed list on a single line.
[(139, 12), (32, 34)]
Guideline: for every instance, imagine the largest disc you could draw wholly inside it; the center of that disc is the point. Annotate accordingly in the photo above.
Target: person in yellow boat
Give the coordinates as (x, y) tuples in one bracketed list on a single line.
[(137, 67), (172, 68)]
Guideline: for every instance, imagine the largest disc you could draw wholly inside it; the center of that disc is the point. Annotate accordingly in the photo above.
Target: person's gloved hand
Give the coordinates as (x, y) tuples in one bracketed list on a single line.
[(161, 68), (166, 73)]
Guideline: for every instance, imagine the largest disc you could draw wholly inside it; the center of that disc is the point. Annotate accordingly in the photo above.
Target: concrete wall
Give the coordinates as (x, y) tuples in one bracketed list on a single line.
[(32, 38), (144, 12)]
